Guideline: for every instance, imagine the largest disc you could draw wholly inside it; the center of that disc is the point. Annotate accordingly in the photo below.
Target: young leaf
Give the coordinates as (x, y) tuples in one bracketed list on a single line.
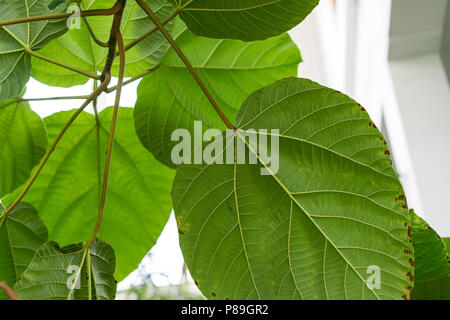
[(15, 39), (318, 227), (169, 98), (68, 273), (244, 20), (66, 193), (78, 49), (23, 142), (22, 233), (432, 263)]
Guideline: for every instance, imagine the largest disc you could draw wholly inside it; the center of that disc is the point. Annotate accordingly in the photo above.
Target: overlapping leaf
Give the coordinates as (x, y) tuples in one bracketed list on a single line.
[(78, 49), (314, 229), (246, 20), (170, 99), (432, 263), (70, 273), (15, 63), (66, 193), (22, 233), (23, 142)]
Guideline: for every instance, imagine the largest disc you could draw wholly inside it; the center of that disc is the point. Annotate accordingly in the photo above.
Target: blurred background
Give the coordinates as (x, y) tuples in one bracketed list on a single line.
[(393, 57)]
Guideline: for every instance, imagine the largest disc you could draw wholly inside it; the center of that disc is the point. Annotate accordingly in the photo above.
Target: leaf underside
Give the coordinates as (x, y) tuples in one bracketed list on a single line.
[(23, 142), (310, 231), (432, 263), (78, 49), (170, 99), (246, 20), (22, 233), (15, 61), (48, 275), (66, 193)]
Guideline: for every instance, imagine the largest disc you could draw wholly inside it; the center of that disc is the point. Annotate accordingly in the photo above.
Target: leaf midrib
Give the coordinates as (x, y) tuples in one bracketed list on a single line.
[(304, 211)]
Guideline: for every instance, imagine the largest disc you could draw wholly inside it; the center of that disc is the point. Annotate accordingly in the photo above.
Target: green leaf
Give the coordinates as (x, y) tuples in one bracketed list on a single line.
[(436, 289), (66, 193), (447, 243), (23, 142), (15, 63), (78, 49), (246, 20), (431, 259), (22, 233), (68, 273), (170, 99), (432, 264), (315, 229)]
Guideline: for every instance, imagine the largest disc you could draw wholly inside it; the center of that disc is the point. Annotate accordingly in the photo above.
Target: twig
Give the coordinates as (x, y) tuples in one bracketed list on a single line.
[(63, 65), (86, 13), (94, 95), (148, 33), (112, 42), (114, 38), (53, 98), (111, 140), (180, 53), (139, 76), (92, 33), (8, 291)]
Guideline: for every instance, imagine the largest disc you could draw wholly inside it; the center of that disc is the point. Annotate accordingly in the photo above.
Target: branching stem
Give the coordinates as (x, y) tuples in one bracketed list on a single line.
[(110, 140), (150, 32), (63, 65), (94, 95), (180, 53), (86, 13)]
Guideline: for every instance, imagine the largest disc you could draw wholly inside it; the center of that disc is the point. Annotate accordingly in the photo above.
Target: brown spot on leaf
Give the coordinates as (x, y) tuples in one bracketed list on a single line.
[(387, 152), (180, 232), (409, 232), (213, 294), (404, 297), (196, 283), (411, 262)]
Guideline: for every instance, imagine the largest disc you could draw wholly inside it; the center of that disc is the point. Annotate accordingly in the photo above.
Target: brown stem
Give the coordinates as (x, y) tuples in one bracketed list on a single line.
[(92, 33), (180, 53), (86, 13), (110, 140), (139, 76), (8, 291), (148, 33), (112, 42), (63, 65)]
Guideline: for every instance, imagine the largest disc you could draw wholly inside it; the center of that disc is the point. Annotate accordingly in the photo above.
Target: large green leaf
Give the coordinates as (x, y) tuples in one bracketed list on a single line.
[(78, 49), (318, 227), (66, 193), (68, 273), (15, 66), (432, 263), (246, 20), (23, 141), (22, 233), (170, 99)]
